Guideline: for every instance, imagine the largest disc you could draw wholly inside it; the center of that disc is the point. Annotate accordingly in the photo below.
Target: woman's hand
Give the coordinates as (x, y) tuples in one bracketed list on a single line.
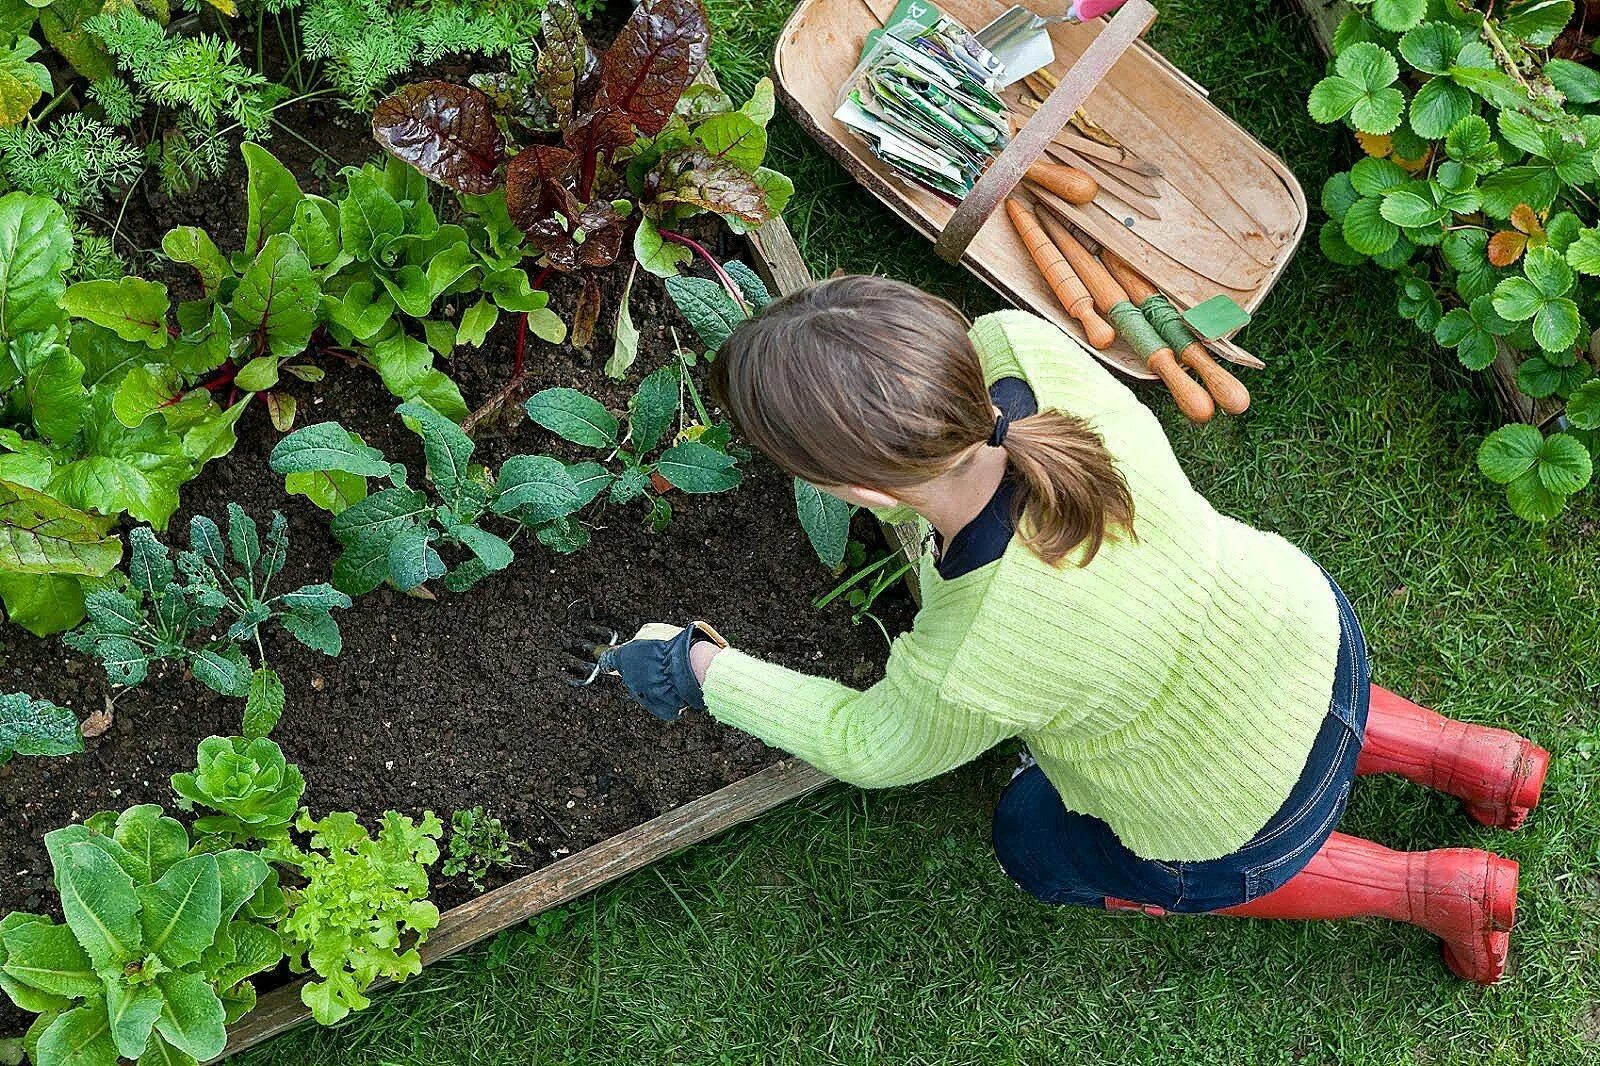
[(663, 666)]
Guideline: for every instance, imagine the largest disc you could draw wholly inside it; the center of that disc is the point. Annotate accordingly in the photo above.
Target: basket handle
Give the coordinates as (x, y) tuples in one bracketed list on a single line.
[(1002, 176)]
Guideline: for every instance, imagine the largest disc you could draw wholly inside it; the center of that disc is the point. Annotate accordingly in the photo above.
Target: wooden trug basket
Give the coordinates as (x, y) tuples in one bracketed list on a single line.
[(1231, 211)]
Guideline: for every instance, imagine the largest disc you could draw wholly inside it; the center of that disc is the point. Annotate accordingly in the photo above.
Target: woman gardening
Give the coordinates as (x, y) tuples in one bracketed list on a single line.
[(1195, 692)]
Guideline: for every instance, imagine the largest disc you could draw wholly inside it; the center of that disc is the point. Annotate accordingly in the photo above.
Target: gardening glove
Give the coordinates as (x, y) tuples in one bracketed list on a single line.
[(655, 667)]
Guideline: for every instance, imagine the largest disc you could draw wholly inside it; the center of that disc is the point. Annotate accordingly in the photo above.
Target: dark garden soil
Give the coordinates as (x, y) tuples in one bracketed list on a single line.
[(458, 702)]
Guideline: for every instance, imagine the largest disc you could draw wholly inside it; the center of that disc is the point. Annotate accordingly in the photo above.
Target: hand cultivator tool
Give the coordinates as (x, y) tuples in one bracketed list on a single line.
[(586, 646)]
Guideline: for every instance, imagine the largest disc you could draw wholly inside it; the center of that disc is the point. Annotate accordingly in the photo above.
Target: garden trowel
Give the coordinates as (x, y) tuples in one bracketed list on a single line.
[(1020, 39)]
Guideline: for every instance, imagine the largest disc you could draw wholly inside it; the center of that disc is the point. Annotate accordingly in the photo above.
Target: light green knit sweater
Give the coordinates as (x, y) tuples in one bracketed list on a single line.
[(1172, 687)]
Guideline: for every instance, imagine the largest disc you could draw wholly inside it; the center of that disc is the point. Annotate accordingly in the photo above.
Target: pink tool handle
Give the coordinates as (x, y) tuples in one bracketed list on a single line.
[(1084, 10)]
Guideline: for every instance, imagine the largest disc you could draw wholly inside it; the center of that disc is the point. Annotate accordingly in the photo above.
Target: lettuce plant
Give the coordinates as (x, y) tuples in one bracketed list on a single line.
[(362, 910), (157, 948), (585, 146), (395, 534), (36, 727), (250, 785), (173, 613), (1480, 125)]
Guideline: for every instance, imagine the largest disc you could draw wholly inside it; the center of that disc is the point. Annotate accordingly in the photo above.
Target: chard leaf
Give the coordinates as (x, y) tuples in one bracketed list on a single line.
[(41, 535), (447, 131), (369, 218), (652, 61), (23, 82), (700, 179), (144, 391), (277, 297), (271, 196), (564, 61), (135, 309), (35, 251), (194, 247)]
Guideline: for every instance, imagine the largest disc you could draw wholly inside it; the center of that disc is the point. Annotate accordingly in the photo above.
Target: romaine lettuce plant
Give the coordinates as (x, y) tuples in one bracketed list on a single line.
[(1480, 125), (175, 613), (159, 942), (395, 534), (586, 146), (36, 727), (363, 908), (248, 783)]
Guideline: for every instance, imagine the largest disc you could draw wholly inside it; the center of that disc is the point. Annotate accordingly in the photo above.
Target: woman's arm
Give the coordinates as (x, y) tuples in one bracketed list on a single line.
[(896, 732)]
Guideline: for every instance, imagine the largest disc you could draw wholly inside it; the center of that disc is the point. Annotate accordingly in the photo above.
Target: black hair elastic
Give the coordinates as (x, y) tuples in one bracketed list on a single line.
[(1002, 425)]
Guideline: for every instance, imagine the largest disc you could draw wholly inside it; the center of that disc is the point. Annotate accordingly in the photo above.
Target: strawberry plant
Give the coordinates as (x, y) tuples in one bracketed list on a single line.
[(36, 727), (362, 909), (174, 614), (586, 147), (1480, 126), (160, 940)]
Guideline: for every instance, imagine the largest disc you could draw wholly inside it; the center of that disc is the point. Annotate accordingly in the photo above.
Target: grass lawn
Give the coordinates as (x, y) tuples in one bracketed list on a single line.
[(857, 928)]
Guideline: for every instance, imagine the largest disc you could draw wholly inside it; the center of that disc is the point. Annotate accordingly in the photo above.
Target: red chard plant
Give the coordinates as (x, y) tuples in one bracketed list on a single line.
[(585, 147)]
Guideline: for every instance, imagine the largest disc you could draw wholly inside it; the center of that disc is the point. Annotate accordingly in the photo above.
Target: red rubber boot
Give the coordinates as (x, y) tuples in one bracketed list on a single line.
[(1466, 898), (1497, 775)]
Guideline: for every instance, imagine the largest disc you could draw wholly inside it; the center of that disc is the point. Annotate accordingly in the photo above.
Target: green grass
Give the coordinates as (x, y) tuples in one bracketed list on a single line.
[(876, 928)]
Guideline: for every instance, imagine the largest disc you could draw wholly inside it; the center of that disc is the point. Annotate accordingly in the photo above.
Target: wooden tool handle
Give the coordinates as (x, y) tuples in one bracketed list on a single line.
[(1070, 183), (1060, 276), (1227, 390), (1192, 398), (1101, 285)]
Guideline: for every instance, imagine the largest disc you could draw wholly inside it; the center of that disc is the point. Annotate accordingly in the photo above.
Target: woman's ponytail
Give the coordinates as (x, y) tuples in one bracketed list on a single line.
[(1072, 492)]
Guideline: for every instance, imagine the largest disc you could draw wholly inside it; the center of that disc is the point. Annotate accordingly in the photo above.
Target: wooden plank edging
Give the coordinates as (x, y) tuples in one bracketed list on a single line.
[(561, 882)]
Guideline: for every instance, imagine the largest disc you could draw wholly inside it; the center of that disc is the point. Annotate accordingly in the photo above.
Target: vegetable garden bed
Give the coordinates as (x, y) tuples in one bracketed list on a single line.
[(450, 699), (458, 702)]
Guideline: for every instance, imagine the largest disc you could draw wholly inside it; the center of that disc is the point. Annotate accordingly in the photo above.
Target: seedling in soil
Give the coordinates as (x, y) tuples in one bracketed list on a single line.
[(172, 614), (879, 576), (478, 844)]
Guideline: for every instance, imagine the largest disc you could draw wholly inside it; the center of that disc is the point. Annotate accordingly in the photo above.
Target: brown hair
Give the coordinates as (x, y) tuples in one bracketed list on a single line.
[(865, 381)]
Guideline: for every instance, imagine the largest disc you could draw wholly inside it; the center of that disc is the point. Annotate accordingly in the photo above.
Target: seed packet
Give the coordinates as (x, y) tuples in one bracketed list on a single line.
[(923, 98)]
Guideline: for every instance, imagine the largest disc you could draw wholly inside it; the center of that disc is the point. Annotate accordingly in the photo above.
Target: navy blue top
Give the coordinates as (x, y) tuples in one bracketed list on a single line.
[(983, 540)]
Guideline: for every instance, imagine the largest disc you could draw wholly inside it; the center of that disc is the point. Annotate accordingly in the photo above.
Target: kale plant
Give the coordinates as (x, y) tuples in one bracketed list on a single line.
[(1480, 125), (175, 613), (362, 910), (478, 843), (585, 147), (159, 943), (395, 534), (248, 783), (36, 727)]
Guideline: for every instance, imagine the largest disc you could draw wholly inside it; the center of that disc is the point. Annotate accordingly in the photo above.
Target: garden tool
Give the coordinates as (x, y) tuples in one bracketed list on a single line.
[(1130, 324), (1228, 391), (1059, 275), (1496, 774), (1465, 897), (1020, 39), (586, 650)]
